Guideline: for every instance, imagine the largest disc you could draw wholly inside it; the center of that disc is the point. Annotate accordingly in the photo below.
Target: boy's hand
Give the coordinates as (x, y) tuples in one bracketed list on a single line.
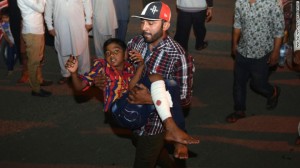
[(10, 44), (72, 64), (136, 57)]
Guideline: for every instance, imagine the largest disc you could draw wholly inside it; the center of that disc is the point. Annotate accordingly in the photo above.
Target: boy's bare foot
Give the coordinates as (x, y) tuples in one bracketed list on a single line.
[(181, 151), (175, 134)]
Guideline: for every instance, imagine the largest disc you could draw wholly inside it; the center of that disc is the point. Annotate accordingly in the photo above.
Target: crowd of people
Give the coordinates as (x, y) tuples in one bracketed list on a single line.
[(152, 75)]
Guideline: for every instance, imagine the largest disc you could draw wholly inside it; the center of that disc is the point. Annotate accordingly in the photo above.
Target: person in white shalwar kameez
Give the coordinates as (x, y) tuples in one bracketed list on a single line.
[(105, 23), (69, 21)]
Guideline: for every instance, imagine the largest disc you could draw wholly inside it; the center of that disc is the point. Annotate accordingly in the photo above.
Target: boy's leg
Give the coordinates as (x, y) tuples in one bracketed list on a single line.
[(180, 150), (176, 110), (134, 116), (162, 103), (10, 58), (161, 98), (167, 89), (128, 115)]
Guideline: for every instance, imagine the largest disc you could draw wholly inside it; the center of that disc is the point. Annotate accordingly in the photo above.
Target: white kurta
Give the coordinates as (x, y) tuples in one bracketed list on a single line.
[(104, 16), (68, 18), (105, 23)]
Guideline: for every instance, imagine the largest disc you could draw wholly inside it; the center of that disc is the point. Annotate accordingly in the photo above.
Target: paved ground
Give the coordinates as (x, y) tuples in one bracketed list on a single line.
[(68, 131)]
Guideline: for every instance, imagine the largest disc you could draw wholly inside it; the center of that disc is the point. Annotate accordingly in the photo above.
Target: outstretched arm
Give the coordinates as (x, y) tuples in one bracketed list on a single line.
[(235, 40), (72, 66)]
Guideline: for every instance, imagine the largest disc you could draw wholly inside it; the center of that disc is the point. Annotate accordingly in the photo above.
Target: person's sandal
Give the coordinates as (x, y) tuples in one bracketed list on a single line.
[(233, 117)]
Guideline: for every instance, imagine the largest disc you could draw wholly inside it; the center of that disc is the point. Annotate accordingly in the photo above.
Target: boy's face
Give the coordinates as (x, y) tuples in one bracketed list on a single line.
[(115, 56), (5, 18)]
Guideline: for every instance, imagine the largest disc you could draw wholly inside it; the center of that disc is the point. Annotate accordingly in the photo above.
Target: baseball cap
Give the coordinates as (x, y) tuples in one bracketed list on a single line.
[(155, 11)]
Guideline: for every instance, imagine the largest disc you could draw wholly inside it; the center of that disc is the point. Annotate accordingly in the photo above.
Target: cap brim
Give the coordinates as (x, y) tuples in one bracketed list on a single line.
[(143, 17)]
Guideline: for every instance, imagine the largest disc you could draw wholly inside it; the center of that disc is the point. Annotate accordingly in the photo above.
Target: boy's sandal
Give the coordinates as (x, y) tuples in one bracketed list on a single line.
[(233, 117)]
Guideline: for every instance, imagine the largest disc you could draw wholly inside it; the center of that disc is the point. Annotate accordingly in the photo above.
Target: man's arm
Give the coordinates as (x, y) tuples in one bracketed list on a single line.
[(88, 11), (140, 95), (296, 58), (235, 40), (185, 76), (209, 3), (48, 15), (278, 22), (38, 6), (237, 26), (273, 60), (209, 11)]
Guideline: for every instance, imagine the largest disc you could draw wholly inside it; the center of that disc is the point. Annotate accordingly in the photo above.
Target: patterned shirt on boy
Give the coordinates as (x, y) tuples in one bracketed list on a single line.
[(116, 85)]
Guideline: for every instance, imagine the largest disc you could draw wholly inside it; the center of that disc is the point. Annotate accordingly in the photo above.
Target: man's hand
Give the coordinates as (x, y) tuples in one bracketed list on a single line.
[(100, 81), (208, 14), (297, 57), (88, 27), (52, 32), (234, 50), (140, 95), (273, 59)]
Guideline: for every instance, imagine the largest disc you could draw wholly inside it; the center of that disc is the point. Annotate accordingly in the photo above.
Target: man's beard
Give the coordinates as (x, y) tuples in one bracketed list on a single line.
[(153, 37)]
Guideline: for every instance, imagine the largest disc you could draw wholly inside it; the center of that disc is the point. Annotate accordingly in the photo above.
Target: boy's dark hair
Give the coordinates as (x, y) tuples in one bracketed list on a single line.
[(4, 11), (120, 42)]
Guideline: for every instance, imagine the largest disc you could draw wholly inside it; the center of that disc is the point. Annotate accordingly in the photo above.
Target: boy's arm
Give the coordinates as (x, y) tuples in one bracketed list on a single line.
[(136, 58), (77, 83), (72, 66), (7, 39), (136, 77)]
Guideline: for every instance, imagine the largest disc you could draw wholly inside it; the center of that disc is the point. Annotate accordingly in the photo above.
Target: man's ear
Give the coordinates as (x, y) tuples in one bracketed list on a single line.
[(166, 26)]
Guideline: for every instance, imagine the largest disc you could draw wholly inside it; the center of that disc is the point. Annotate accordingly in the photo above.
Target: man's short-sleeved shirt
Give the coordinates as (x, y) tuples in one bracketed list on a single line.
[(260, 23)]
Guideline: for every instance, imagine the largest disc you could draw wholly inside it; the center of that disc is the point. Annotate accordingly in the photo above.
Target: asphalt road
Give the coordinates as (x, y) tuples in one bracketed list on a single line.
[(68, 130)]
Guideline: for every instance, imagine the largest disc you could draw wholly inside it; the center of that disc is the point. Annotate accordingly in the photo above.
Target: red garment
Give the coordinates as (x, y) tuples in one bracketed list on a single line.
[(117, 83)]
